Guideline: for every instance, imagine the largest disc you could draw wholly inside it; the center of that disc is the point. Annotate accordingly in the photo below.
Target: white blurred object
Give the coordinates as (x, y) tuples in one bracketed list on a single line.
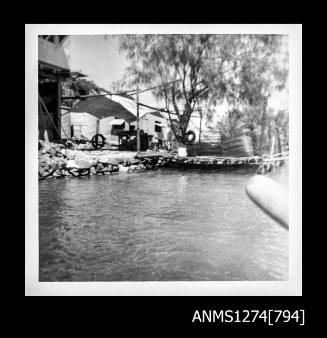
[(271, 197), (123, 169), (182, 152)]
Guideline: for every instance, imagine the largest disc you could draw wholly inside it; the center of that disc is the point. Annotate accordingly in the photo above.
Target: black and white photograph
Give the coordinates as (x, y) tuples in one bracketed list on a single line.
[(163, 159)]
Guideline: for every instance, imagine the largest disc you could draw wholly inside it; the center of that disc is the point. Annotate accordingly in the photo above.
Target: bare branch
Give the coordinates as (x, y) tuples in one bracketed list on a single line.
[(173, 97)]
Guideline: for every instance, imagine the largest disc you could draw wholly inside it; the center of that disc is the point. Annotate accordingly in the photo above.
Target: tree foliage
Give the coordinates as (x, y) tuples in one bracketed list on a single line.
[(231, 123), (79, 87), (195, 70)]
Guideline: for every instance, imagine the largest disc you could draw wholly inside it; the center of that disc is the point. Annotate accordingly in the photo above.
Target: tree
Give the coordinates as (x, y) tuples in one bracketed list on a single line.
[(281, 129), (251, 123), (255, 84), (190, 70), (231, 123), (79, 87), (184, 66), (268, 73)]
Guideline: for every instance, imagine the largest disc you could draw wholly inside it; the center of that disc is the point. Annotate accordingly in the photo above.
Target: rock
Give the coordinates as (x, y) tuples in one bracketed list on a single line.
[(80, 154), (57, 173), (45, 146), (104, 159), (46, 167), (53, 152), (61, 163), (70, 154), (73, 172), (95, 162), (133, 161), (100, 167), (105, 170), (54, 164), (112, 161), (79, 164), (123, 169), (114, 168), (71, 164), (134, 167), (48, 162), (42, 172), (44, 156), (93, 171), (84, 172), (46, 174), (69, 144)]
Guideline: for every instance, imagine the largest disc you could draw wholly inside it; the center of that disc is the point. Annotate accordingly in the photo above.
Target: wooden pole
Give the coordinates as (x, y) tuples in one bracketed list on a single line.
[(98, 126), (45, 132), (138, 143), (200, 132), (49, 115), (263, 124), (59, 90), (272, 149)]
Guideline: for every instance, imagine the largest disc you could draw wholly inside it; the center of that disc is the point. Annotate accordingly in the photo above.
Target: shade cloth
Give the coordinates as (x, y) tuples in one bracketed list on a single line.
[(111, 105)]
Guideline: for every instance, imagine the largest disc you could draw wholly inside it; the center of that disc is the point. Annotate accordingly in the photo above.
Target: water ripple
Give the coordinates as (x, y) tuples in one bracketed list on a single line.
[(158, 225)]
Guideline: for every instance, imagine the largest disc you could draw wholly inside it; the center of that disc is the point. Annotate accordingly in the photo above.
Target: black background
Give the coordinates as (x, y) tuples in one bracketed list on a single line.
[(154, 315)]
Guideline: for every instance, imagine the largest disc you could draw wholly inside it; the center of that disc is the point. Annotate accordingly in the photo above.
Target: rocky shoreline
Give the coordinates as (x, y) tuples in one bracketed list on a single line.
[(58, 161)]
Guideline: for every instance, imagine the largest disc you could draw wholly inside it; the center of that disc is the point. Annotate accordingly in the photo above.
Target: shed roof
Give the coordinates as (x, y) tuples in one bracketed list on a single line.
[(117, 122), (111, 105), (158, 114)]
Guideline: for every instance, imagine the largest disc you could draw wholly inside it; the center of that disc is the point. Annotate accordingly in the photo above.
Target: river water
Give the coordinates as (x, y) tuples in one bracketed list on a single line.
[(161, 225)]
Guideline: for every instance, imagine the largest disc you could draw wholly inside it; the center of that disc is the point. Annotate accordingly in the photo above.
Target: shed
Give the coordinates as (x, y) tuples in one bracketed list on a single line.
[(102, 106), (108, 114), (155, 125), (53, 67)]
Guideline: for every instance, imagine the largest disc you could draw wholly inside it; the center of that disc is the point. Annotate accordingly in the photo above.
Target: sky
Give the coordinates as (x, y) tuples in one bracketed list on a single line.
[(98, 57)]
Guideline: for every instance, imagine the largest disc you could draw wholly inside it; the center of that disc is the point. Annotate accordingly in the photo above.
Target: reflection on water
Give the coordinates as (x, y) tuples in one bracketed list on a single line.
[(157, 225)]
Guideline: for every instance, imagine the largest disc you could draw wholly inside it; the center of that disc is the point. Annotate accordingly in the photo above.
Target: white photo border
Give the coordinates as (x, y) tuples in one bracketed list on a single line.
[(292, 287)]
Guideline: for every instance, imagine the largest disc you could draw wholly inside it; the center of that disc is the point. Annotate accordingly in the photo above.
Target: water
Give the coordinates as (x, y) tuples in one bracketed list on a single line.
[(166, 225)]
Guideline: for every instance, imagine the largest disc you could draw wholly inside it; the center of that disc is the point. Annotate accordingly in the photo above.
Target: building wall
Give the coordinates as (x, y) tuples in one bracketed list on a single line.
[(45, 128), (51, 58), (147, 124), (52, 54), (87, 124), (65, 124), (81, 123), (48, 123)]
